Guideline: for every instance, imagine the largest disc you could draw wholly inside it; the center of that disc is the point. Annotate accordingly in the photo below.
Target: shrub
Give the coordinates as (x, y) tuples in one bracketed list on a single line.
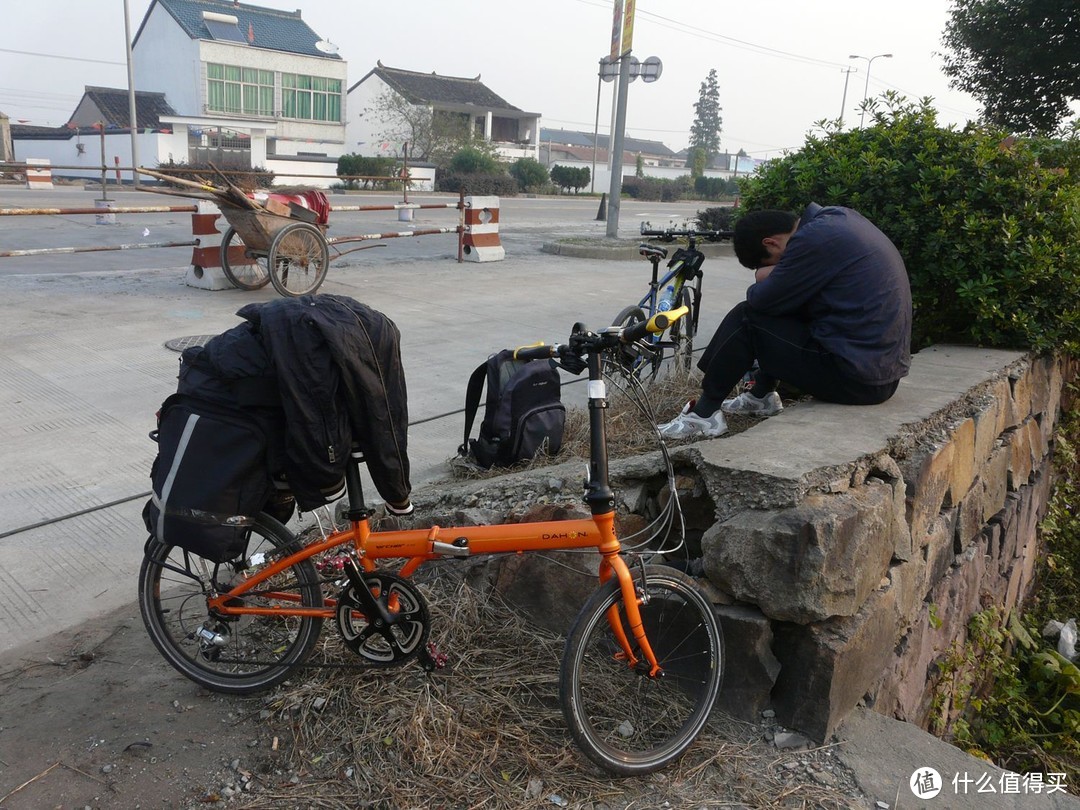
[(471, 160), (530, 174), (244, 178), (987, 233), (570, 177), (500, 185), (651, 188), (368, 167), (721, 218), (715, 188)]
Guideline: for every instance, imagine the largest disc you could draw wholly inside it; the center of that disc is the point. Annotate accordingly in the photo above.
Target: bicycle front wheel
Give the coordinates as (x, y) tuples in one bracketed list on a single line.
[(624, 720), (682, 332), (630, 359), (234, 654)]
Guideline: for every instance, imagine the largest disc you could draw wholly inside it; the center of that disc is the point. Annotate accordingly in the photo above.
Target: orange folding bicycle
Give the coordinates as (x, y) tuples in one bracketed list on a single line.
[(643, 662)]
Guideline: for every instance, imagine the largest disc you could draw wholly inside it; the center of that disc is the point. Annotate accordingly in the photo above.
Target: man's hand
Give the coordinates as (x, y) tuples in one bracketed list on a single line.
[(762, 273)]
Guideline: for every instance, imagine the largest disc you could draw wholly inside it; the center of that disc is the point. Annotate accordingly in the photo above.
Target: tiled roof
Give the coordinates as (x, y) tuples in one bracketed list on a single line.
[(576, 138), (113, 105), (268, 28), (31, 132), (431, 88)]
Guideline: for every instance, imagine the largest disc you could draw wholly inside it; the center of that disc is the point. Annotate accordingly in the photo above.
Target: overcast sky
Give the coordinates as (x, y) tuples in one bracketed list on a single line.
[(780, 63)]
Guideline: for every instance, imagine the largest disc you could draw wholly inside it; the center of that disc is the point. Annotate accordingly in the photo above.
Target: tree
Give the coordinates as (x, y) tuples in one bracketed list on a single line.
[(570, 177), (1018, 58), (530, 173), (705, 132), (434, 135)]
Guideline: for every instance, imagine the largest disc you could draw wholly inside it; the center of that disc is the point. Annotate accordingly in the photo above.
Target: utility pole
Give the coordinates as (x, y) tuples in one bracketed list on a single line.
[(131, 100), (843, 103), (616, 141)]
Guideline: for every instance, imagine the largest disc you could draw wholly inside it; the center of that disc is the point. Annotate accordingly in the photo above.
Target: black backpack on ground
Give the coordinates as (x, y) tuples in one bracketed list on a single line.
[(523, 414)]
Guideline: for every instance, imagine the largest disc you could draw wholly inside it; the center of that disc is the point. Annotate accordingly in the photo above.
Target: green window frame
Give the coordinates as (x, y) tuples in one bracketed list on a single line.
[(310, 98), (239, 90)]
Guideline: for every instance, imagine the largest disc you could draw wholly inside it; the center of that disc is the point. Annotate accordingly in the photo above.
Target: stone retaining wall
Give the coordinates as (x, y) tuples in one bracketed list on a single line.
[(845, 548)]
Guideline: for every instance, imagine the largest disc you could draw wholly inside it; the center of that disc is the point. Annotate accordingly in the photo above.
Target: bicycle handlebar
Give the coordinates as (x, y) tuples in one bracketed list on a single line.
[(582, 341)]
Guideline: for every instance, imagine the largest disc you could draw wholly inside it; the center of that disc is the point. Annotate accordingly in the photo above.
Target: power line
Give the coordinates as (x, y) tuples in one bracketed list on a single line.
[(66, 58)]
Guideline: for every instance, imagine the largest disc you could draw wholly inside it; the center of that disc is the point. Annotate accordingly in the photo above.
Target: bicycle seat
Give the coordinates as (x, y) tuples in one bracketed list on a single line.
[(651, 251)]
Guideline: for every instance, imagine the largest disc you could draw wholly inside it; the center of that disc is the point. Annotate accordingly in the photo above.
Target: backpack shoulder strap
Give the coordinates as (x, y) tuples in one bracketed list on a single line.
[(472, 402)]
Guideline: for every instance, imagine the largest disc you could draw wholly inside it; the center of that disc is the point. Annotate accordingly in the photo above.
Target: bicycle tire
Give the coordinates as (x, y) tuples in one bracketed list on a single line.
[(299, 257), (254, 275), (251, 653), (623, 720), (682, 333), (627, 358)]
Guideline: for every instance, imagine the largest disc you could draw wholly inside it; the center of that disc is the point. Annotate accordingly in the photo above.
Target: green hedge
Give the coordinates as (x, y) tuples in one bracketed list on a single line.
[(988, 232), (500, 185)]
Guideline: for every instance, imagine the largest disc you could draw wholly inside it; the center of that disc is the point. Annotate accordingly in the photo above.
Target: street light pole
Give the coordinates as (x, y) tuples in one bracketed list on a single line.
[(866, 87)]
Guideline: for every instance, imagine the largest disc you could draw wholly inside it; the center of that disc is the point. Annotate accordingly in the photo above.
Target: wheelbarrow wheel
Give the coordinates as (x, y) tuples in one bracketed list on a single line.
[(243, 269), (299, 257)]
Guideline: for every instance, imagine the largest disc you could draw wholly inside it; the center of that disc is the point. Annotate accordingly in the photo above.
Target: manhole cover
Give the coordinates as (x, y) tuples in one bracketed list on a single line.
[(181, 343)]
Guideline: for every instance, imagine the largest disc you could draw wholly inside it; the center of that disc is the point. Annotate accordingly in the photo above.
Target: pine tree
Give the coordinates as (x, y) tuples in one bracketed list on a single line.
[(705, 132)]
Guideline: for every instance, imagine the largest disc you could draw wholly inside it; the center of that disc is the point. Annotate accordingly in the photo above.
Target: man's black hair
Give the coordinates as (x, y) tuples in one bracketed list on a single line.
[(751, 228)]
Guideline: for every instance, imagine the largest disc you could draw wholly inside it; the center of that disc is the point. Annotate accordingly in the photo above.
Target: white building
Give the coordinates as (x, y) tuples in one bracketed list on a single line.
[(370, 132), (252, 87)]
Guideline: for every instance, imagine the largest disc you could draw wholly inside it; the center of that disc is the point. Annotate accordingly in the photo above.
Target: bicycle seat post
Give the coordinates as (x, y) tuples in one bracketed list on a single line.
[(599, 495), (357, 508)]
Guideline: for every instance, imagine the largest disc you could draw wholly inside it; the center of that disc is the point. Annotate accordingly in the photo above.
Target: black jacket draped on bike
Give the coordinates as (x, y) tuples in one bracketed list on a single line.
[(321, 374)]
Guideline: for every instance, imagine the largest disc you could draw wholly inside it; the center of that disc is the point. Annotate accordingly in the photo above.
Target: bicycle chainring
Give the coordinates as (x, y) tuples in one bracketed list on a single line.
[(382, 643)]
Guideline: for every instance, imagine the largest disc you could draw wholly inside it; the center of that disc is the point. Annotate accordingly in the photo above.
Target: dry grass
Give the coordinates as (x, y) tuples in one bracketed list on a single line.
[(630, 428), (487, 731)]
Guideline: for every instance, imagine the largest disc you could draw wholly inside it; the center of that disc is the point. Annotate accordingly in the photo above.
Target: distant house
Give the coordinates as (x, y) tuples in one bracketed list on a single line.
[(100, 126), (252, 86), (513, 132), (577, 145), (238, 84)]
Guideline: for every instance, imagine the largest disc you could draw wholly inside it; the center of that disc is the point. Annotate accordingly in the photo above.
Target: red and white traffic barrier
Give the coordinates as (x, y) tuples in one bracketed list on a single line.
[(40, 178), (205, 272), (480, 241)]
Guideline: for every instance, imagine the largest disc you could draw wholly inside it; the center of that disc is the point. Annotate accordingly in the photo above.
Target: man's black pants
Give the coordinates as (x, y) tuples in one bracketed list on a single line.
[(784, 351)]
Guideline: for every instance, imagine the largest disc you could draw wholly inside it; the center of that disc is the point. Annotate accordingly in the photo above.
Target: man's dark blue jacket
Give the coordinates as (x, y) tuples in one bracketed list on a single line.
[(847, 280)]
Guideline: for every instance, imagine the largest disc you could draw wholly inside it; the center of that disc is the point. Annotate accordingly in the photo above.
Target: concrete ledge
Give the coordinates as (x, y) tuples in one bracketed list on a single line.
[(812, 445), (622, 249)]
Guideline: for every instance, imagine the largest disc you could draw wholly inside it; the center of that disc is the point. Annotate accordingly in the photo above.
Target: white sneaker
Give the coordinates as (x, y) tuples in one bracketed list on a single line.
[(689, 425), (747, 404)]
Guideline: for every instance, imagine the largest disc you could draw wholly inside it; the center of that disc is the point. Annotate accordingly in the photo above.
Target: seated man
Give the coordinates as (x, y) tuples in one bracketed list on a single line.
[(829, 313)]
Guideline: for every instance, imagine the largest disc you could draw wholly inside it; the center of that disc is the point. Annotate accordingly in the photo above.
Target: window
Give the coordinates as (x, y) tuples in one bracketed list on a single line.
[(312, 98), (237, 90)]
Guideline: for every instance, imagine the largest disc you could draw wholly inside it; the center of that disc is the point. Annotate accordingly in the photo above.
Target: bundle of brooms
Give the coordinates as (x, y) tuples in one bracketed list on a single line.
[(225, 194)]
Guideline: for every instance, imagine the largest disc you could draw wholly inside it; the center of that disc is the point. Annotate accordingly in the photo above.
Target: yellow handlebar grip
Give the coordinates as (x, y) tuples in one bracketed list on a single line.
[(662, 320), (536, 345)]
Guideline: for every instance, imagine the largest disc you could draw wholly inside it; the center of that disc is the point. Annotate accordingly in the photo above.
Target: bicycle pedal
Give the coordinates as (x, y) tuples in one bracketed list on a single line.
[(431, 659)]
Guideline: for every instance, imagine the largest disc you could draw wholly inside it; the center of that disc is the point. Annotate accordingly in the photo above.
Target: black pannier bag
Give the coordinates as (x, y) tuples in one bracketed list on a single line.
[(210, 478), (523, 415)]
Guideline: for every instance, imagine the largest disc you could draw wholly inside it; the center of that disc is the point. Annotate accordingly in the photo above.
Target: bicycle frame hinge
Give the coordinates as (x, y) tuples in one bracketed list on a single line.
[(459, 548)]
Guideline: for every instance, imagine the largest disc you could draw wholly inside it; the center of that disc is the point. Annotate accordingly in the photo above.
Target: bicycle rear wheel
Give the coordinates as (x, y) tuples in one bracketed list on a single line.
[(624, 720), (682, 332), (235, 654)]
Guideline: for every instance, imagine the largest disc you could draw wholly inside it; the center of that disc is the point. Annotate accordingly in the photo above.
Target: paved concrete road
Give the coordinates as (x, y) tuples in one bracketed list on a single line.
[(83, 368)]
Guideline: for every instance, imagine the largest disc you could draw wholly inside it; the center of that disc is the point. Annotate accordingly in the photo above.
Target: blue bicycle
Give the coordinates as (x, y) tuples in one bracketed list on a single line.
[(680, 286)]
